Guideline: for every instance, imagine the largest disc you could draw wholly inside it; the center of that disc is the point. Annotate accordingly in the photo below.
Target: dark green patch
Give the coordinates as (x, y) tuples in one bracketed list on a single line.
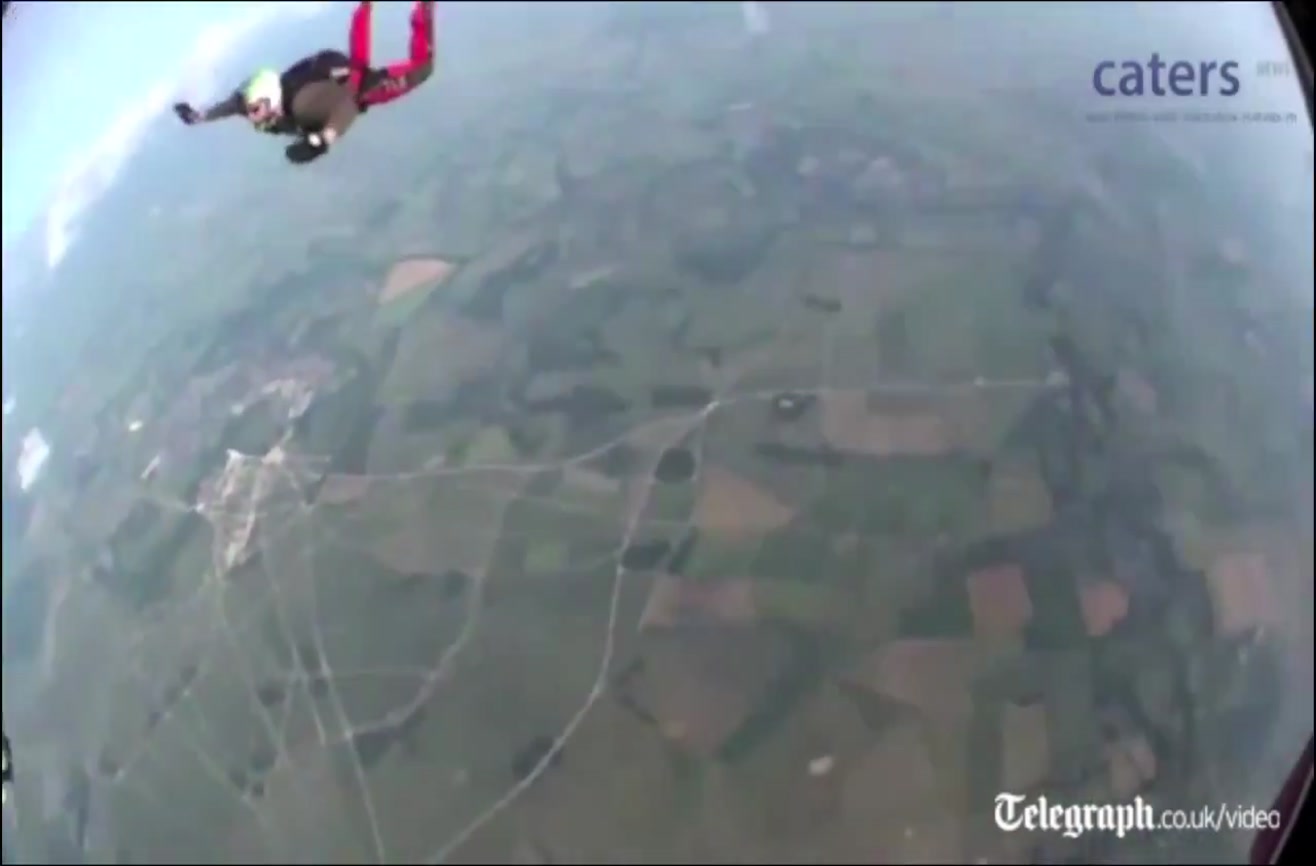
[(424, 415), (715, 557), (170, 694), (1057, 621), (984, 754), (675, 466), (546, 555), (620, 461), (308, 658), (372, 746), (453, 584), (681, 555), (1019, 679), (674, 503), (409, 731), (107, 765), (488, 302), (530, 436), (797, 552), (791, 455), (262, 760), (723, 257), (529, 757), (643, 556), (810, 654), (822, 305), (145, 550), (894, 345), (270, 694), (341, 423), (680, 397), (490, 446), (570, 351), (237, 777), (256, 430), (1073, 723), (1240, 692), (906, 497), (945, 615), (584, 405), (406, 584)]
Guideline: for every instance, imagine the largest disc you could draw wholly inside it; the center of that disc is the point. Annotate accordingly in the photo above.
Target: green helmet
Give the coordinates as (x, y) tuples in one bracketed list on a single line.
[(266, 85)]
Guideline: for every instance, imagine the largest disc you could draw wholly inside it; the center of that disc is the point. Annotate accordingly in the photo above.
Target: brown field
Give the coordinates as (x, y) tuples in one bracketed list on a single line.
[(412, 274)]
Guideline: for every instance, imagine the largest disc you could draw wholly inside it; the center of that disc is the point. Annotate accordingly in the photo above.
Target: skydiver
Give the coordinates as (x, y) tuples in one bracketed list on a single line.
[(317, 98)]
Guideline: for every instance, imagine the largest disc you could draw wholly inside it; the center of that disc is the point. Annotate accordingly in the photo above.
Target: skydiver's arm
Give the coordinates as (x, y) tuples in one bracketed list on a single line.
[(230, 106)]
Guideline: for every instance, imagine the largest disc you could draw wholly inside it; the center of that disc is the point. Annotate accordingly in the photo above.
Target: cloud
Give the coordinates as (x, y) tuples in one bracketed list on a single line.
[(95, 172)]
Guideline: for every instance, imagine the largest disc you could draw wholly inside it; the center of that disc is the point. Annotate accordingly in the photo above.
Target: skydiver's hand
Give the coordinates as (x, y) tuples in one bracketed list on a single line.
[(187, 113), (303, 150)]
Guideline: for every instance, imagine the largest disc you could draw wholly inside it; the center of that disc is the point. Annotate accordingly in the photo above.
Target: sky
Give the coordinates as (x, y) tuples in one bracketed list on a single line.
[(81, 81)]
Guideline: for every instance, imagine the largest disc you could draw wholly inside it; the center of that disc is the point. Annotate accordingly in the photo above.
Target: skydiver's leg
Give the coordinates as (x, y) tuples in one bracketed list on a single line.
[(359, 44), (386, 84)]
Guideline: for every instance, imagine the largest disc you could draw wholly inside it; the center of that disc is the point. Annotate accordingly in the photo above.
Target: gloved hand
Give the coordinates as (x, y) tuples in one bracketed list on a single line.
[(307, 148), (187, 113)]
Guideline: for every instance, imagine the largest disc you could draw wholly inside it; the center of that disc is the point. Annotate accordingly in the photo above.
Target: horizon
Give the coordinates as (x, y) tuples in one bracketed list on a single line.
[(58, 163)]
